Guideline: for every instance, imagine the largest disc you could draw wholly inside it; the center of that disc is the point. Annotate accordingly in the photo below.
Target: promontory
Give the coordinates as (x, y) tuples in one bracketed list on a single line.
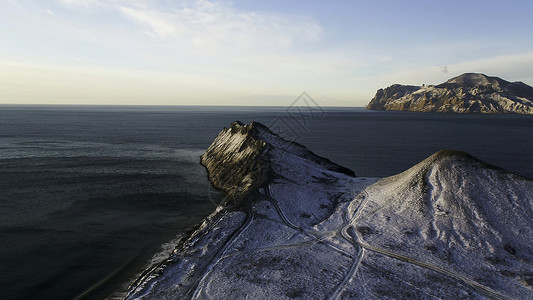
[(467, 93), (298, 226)]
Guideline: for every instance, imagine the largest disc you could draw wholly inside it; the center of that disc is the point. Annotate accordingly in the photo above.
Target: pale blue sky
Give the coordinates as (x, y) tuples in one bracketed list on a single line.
[(246, 52)]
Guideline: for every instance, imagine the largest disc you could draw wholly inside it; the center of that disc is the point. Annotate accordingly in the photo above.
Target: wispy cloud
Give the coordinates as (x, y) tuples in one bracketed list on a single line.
[(216, 47), (158, 25), (213, 25), (210, 25)]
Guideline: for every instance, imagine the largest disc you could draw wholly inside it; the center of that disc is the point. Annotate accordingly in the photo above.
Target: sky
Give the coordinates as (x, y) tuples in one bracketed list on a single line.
[(244, 52)]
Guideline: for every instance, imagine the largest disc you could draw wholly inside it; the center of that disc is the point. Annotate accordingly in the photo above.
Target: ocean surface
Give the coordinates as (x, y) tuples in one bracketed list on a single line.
[(90, 195)]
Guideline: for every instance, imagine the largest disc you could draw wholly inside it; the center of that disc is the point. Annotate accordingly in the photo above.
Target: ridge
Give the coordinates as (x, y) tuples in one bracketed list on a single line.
[(466, 93)]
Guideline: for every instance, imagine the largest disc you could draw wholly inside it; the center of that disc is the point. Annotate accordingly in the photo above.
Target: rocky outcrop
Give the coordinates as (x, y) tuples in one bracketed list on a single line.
[(467, 93), (239, 159), (449, 227), (394, 91)]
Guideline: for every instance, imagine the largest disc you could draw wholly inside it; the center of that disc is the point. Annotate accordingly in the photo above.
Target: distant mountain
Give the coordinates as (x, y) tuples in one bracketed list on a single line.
[(467, 93)]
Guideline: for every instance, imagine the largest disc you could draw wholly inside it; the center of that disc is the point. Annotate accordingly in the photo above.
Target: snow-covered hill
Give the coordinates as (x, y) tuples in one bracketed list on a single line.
[(467, 93), (298, 226)]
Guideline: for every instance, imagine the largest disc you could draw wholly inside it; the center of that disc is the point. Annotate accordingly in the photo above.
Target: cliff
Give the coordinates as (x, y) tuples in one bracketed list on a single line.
[(304, 227), (467, 93), (240, 159)]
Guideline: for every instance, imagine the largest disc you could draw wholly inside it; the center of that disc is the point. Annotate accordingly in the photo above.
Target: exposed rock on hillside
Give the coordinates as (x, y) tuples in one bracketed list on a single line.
[(467, 93)]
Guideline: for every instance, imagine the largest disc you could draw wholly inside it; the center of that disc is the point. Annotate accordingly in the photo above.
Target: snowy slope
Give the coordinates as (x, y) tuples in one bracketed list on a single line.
[(303, 227), (463, 218)]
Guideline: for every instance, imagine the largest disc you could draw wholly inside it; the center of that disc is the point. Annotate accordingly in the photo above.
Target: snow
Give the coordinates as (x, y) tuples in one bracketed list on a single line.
[(459, 215), (449, 227)]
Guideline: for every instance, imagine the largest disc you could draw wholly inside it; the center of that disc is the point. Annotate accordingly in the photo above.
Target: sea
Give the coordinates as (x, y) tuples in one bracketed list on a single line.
[(92, 195)]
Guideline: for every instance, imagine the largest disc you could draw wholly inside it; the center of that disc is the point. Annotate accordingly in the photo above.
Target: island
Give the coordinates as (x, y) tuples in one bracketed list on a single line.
[(467, 93), (295, 225)]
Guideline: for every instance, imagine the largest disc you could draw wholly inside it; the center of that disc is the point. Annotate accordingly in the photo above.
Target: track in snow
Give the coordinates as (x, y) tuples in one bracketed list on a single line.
[(486, 291), (353, 238), (220, 255)]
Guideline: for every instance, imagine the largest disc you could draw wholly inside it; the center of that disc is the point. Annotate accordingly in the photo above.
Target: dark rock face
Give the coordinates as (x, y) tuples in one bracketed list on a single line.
[(239, 159), (236, 160), (467, 93)]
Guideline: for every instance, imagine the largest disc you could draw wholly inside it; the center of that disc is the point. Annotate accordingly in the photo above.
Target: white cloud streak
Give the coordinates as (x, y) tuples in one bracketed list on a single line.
[(209, 49), (214, 26)]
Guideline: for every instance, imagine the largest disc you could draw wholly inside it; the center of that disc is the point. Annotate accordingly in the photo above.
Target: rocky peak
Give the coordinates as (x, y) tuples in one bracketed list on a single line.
[(236, 160)]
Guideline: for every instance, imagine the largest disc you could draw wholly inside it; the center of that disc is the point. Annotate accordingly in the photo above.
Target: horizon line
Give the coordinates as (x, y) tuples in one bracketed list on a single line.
[(158, 105)]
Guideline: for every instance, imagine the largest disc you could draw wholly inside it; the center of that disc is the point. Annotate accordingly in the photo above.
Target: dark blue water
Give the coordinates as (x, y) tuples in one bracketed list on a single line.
[(89, 194)]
